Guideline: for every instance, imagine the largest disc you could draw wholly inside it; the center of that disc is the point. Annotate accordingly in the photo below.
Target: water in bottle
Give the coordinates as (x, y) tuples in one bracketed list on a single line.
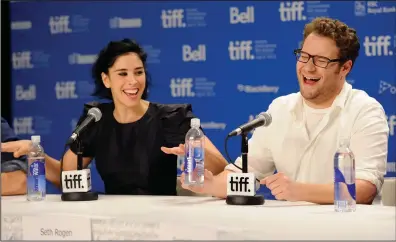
[(194, 155), (36, 183), (344, 179)]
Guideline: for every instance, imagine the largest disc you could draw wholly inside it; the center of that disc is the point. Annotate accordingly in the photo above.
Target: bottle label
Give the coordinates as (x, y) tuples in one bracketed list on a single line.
[(36, 176), (37, 168), (339, 186), (193, 156)]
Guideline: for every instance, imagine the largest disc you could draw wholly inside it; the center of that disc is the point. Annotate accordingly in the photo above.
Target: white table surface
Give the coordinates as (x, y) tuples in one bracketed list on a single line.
[(185, 217)]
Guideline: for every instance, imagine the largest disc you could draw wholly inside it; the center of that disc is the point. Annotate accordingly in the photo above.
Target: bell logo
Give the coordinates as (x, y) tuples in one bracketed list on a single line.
[(26, 95), (292, 11), (377, 45), (172, 18), (194, 55), (237, 17), (240, 50), (181, 87)]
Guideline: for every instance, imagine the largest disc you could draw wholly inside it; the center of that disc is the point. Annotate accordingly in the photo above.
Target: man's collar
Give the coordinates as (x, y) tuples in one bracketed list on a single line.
[(339, 101)]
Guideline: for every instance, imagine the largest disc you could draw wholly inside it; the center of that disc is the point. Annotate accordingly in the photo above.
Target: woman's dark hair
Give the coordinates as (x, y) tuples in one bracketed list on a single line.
[(106, 58)]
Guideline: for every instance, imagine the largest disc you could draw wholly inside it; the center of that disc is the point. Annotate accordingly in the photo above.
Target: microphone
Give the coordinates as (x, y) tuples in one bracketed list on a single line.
[(242, 187), (263, 119), (94, 115)]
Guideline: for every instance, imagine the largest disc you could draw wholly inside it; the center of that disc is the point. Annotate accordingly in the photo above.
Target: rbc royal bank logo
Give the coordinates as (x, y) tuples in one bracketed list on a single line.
[(23, 125), (22, 94), (292, 11), (195, 55), (240, 50), (59, 24), (182, 87), (22, 60), (241, 17), (173, 18), (65, 90), (377, 45)]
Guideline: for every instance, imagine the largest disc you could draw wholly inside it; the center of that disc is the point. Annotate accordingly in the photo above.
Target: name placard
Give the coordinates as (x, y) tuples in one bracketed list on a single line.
[(52, 227)]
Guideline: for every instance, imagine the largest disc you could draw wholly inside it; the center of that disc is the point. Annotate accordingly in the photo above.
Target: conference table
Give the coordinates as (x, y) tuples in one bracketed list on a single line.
[(189, 217)]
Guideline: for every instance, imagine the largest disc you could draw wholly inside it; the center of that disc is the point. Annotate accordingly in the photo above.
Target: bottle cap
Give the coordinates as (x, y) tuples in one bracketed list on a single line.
[(36, 138), (195, 122)]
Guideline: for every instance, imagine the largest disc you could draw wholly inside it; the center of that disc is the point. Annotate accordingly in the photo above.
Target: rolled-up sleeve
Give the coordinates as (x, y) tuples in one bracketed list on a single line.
[(369, 143), (8, 162)]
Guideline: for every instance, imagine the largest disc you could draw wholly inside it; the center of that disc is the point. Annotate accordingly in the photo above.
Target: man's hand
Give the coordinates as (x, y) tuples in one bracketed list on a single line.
[(281, 187), (206, 188), (19, 148), (174, 151)]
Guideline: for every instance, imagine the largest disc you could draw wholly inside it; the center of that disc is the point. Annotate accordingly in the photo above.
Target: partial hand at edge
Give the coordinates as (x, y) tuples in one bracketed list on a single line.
[(19, 147), (179, 150)]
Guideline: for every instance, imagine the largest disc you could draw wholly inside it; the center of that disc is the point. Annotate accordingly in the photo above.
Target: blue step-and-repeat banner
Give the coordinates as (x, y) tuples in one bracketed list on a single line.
[(228, 59)]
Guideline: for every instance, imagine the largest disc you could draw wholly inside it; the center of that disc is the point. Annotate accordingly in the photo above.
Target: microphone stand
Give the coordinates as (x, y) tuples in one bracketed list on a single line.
[(245, 200), (78, 196)]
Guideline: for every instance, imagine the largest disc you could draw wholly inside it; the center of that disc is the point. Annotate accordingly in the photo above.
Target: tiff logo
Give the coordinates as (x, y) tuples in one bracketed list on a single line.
[(241, 184), (65, 90), (73, 181), (173, 18), (241, 17), (189, 54), (392, 124), (240, 50), (27, 95), (22, 60), (23, 125), (182, 87), (59, 24), (292, 11), (377, 45)]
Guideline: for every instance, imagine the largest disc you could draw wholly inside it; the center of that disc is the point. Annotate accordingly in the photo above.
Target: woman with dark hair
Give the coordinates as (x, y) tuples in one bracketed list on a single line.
[(135, 143)]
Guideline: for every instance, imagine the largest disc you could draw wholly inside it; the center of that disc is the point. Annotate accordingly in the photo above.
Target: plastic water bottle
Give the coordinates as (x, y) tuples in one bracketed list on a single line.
[(36, 183), (344, 179), (194, 155)]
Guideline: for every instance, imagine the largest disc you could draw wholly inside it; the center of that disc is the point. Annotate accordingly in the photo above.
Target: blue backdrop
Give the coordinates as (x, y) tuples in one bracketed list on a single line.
[(228, 59)]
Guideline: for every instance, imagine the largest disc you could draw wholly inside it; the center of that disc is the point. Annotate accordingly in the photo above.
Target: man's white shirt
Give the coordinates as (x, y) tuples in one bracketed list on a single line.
[(301, 142)]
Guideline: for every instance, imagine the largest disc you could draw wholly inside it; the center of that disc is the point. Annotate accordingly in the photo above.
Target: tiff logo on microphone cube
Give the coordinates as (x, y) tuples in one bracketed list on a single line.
[(240, 50), (76, 181), (173, 18), (292, 11), (241, 17), (377, 45), (189, 54), (242, 184)]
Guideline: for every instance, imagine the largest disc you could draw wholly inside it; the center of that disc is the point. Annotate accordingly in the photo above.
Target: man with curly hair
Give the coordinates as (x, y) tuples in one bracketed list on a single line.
[(307, 126)]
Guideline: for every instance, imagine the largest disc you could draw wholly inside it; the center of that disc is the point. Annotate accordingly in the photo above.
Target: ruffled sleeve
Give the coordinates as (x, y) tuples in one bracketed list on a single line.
[(87, 137), (176, 123)]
